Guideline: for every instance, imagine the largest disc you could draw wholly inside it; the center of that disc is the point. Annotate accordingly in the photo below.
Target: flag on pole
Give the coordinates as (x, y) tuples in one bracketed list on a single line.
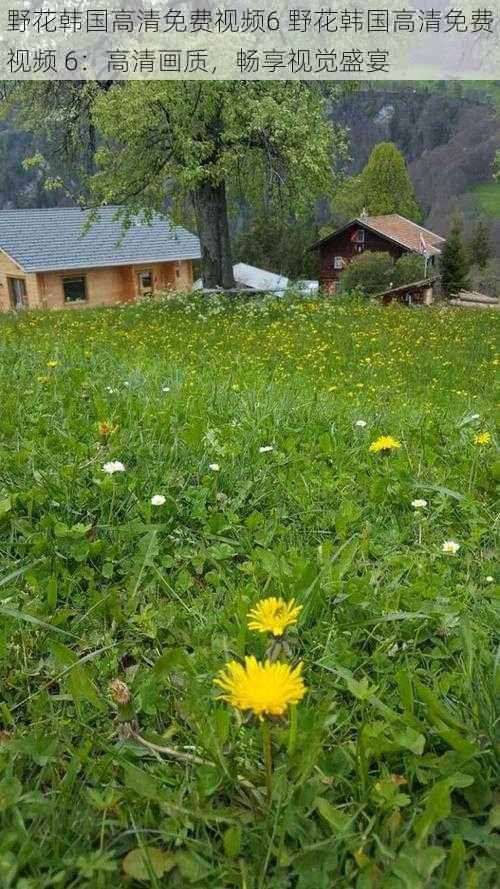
[(425, 250), (423, 247)]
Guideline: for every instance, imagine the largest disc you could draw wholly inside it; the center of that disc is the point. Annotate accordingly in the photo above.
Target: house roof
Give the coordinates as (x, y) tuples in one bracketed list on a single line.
[(425, 282), (55, 240), (395, 228)]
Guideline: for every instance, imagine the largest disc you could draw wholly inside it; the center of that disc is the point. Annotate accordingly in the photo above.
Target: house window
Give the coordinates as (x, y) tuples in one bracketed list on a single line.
[(338, 263), (146, 282), (17, 292), (359, 236), (74, 289)]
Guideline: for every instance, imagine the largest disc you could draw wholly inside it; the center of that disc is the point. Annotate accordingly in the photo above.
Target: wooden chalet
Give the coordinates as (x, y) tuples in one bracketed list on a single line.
[(381, 234)]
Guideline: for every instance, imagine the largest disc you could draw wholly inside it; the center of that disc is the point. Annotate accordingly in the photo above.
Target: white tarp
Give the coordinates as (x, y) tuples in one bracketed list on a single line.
[(249, 277)]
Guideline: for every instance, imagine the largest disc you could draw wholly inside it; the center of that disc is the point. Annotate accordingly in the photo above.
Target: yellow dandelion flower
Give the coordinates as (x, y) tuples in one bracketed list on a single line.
[(266, 689), (105, 428), (52, 363), (482, 438), (384, 443), (43, 379), (273, 615)]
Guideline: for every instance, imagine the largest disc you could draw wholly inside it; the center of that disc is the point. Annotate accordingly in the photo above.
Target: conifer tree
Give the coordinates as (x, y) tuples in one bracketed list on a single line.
[(383, 186), (455, 262), (479, 246)]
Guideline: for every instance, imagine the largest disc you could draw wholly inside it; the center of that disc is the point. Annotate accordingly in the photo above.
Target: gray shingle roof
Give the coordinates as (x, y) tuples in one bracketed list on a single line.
[(53, 240)]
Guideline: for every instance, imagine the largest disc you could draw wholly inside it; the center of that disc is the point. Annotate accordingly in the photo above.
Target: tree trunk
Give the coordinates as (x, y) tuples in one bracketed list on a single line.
[(213, 230)]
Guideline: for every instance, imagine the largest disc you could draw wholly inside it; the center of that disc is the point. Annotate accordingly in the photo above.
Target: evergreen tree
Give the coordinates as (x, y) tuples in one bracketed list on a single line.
[(479, 246), (455, 263), (383, 186)]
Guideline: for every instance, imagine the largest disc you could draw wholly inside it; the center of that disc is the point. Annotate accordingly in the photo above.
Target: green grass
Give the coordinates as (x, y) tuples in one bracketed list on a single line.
[(390, 779), (488, 194)]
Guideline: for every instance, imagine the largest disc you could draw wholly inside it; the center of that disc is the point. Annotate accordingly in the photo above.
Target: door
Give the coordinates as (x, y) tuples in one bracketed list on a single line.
[(17, 292), (145, 282)]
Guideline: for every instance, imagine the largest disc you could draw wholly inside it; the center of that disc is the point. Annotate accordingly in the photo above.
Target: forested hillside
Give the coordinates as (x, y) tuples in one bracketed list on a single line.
[(448, 134)]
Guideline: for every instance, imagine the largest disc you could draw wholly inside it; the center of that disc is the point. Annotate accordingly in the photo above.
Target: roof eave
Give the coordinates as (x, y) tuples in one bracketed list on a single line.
[(422, 283), (14, 260), (29, 269)]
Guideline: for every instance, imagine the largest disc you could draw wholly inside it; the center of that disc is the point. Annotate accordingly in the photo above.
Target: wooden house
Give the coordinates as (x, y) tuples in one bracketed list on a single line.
[(51, 258), (388, 234)]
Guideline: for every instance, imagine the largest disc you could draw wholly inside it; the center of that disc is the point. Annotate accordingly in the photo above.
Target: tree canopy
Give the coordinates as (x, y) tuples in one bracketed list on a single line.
[(203, 142)]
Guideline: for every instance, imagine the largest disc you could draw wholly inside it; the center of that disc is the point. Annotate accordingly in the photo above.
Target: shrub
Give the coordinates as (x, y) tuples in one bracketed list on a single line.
[(372, 272), (408, 268)]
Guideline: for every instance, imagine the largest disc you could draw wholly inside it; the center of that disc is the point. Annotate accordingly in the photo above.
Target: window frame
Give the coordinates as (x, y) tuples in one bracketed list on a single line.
[(359, 236), (146, 292), (338, 263), (71, 302), (24, 298)]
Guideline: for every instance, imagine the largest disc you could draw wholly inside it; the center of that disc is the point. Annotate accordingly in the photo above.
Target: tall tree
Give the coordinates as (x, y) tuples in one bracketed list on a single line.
[(455, 262), (479, 245), (383, 186), (203, 140)]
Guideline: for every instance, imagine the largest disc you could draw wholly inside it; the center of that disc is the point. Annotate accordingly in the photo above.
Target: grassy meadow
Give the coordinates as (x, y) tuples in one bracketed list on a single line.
[(385, 774)]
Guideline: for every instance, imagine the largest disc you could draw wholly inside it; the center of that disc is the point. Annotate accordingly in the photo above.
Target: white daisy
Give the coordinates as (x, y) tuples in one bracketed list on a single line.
[(419, 504), (113, 466), (450, 546), (165, 389), (490, 579), (158, 500), (360, 423), (214, 467), (265, 449)]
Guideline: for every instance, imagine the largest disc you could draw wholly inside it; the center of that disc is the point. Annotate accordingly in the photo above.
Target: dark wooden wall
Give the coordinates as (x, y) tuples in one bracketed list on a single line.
[(343, 246)]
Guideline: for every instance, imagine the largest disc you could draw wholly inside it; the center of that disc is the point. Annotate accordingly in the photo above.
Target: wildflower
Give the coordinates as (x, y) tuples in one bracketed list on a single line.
[(360, 423), (482, 438), (265, 449), (111, 390), (43, 379), (165, 389), (384, 443), (273, 615), (264, 688), (119, 692), (419, 504), (490, 579), (214, 467), (449, 546), (52, 363), (158, 500), (105, 428), (113, 466)]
